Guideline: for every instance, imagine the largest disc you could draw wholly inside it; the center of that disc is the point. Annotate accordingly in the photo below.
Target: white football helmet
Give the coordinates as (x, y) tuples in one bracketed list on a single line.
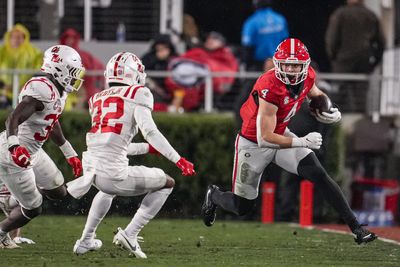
[(65, 65), (125, 68)]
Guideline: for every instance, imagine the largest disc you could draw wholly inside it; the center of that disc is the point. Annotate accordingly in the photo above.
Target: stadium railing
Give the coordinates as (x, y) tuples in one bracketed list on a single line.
[(372, 98)]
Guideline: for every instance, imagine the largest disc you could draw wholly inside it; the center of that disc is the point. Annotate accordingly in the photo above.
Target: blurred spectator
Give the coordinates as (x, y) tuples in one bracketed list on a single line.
[(190, 32), (161, 52), (354, 39), (16, 53), (188, 71), (355, 44), (261, 34), (92, 84)]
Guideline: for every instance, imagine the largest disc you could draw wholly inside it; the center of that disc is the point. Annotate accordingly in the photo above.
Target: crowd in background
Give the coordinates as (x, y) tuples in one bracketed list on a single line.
[(209, 52)]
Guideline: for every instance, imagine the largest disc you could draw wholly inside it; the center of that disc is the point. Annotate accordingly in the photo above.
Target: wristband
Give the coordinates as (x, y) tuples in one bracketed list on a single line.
[(297, 142), (68, 150), (12, 140)]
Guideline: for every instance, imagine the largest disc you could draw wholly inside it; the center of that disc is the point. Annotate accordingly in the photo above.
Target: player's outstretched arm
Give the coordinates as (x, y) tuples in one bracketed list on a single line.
[(22, 112), (266, 123), (158, 141), (136, 149), (57, 136)]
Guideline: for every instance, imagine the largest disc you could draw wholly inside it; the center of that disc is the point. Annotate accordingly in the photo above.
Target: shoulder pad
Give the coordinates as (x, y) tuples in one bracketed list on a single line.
[(142, 96), (40, 89)]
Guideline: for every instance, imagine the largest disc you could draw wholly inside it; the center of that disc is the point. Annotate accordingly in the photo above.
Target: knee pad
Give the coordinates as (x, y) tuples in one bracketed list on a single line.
[(30, 214), (243, 205)]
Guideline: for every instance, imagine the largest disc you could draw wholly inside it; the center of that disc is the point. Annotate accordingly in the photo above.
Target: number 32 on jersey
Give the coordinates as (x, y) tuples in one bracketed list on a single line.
[(101, 119)]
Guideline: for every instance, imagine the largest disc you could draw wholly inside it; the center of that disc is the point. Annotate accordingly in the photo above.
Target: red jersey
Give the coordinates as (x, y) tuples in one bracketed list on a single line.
[(271, 89)]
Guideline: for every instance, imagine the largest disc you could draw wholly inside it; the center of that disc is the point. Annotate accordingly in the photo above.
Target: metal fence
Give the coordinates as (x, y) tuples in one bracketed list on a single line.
[(352, 92)]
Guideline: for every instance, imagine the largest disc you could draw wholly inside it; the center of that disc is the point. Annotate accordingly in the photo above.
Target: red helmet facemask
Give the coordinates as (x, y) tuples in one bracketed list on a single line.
[(291, 51)]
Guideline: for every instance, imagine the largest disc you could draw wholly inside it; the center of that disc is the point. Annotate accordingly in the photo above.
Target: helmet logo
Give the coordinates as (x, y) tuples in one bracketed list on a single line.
[(56, 58), (55, 49)]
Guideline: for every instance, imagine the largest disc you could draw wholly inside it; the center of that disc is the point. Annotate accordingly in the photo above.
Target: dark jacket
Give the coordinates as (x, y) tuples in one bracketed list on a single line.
[(354, 39)]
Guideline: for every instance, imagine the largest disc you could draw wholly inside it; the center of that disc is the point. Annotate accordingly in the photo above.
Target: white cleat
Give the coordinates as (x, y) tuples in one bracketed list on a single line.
[(7, 243), (131, 244), (82, 247), (23, 240)]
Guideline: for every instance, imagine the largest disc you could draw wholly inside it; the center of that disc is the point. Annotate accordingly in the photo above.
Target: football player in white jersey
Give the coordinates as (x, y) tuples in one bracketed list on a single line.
[(24, 167), (117, 115)]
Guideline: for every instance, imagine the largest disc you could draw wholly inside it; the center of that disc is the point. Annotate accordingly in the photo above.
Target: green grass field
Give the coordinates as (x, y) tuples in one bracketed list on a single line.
[(189, 243)]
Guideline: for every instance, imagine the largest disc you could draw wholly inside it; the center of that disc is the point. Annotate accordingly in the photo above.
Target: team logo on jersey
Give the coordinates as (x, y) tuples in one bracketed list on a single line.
[(286, 100), (57, 105)]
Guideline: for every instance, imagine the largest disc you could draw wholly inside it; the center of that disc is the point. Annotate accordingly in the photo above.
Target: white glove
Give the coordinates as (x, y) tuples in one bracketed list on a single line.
[(329, 117), (312, 140), (20, 240)]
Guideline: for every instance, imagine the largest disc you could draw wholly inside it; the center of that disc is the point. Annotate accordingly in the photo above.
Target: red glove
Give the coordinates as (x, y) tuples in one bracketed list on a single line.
[(152, 150), (186, 167), (76, 165), (20, 156)]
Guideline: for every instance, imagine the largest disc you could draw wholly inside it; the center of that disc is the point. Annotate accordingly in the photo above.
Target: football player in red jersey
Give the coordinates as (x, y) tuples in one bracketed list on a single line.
[(264, 138)]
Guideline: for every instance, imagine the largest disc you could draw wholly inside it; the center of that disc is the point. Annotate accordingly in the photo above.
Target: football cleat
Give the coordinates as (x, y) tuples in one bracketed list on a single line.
[(23, 240), (131, 244), (209, 209), (82, 247), (362, 235), (7, 242)]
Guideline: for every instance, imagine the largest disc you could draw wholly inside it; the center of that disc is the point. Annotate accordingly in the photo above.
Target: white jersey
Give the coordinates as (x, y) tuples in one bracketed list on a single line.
[(33, 132), (113, 123)]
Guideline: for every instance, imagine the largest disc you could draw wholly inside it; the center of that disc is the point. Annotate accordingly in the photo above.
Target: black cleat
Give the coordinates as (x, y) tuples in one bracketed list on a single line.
[(208, 210), (362, 235)]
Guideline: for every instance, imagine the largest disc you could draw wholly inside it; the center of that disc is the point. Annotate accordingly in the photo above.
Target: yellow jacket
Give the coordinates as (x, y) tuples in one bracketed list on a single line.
[(24, 57)]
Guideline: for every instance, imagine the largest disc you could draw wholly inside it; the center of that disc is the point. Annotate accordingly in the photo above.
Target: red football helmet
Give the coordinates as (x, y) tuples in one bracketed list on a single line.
[(291, 51)]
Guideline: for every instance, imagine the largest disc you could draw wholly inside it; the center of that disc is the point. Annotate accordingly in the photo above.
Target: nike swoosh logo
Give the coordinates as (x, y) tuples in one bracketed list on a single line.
[(133, 248)]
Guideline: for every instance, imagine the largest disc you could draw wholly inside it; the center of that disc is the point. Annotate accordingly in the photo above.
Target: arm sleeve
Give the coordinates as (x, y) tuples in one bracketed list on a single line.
[(152, 135), (135, 149)]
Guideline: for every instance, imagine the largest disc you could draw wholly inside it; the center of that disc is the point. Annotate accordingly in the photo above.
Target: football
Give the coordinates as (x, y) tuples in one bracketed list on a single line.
[(322, 103)]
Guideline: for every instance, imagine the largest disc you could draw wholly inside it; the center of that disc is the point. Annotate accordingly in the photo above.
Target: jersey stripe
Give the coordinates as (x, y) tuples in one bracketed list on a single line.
[(236, 163), (292, 46), (128, 91), (135, 90), (116, 63)]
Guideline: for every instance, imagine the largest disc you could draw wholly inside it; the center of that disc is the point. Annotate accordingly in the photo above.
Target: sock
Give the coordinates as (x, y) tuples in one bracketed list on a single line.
[(100, 205), (150, 206), (225, 200)]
